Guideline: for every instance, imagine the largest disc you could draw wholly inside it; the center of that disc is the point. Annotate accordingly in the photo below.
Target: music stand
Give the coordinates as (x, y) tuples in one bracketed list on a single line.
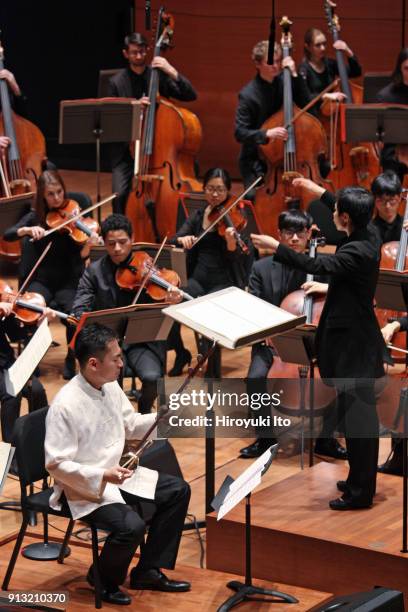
[(391, 286), (382, 123), (231, 493), (99, 120), (13, 208), (297, 346)]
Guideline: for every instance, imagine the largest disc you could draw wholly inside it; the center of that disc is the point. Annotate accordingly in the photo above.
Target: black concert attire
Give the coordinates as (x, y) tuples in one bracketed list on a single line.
[(98, 290), (128, 84), (210, 267), (33, 390), (393, 94), (350, 348), (388, 232), (57, 277), (258, 101), (317, 81)]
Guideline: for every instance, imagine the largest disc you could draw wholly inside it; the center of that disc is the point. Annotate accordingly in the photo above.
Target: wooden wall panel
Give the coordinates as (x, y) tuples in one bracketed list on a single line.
[(213, 42)]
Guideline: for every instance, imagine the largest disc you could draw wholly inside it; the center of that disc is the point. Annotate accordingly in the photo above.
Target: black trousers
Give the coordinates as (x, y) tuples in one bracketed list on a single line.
[(149, 367), (358, 416), (62, 299), (122, 173), (10, 406), (127, 529)]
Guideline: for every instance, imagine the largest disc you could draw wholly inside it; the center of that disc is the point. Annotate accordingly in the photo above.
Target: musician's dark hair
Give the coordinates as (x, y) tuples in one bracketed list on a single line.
[(294, 220), (213, 173), (92, 341), (386, 183), (397, 74), (134, 39), (114, 223), (48, 177), (310, 35), (358, 203)]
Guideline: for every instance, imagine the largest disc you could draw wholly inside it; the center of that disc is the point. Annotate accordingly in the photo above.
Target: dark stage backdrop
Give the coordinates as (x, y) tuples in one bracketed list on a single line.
[(56, 50)]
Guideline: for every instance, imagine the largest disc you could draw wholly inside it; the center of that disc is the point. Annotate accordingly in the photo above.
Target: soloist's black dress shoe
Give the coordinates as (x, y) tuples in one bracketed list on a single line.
[(154, 580), (346, 504), (257, 448), (330, 447), (111, 594)]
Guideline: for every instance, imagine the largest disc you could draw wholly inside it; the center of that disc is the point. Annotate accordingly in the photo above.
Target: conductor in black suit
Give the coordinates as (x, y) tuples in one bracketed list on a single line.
[(133, 82), (349, 346)]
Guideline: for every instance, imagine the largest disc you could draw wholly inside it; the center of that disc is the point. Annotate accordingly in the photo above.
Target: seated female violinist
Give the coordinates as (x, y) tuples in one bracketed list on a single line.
[(215, 263), (10, 405), (99, 289), (58, 275), (318, 70), (396, 157)]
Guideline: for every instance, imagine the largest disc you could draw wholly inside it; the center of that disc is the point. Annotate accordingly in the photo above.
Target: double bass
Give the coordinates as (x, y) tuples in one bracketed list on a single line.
[(298, 156), (24, 158), (170, 142), (351, 163)]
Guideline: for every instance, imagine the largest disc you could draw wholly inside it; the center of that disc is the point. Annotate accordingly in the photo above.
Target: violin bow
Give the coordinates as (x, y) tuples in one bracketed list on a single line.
[(147, 276), (304, 110), (226, 211), (29, 277), (80, 214)]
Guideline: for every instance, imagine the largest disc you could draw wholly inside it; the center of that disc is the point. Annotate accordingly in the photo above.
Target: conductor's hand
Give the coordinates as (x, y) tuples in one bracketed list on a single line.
[(315, 287), (262, 241), (116, 474), (278, 133), (186, 241), (309, 185)]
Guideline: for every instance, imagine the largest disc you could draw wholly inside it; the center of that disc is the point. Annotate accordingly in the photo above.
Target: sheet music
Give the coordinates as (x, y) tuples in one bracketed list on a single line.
[(244, 484), (21, 370), (6, 455)]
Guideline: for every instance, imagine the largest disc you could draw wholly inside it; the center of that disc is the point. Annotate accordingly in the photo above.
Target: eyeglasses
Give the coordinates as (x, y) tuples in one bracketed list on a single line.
[(213, 190), (384, 200), (290, 233)]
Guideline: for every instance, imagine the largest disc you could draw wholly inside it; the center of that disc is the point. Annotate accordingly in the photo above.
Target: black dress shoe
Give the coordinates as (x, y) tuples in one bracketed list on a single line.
[(112, 593), (342, 485), (182, 359), (330, 447), (257, 448), (154, 580), (346, 504)]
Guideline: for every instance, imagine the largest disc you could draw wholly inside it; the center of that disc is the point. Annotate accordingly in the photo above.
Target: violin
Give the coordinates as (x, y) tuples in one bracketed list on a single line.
[(234, 218), (80, 230), (28, 307), (158, 282)]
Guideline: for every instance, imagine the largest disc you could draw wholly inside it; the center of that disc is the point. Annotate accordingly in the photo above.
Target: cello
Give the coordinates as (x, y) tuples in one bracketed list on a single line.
[(351, 163), (24, 157), (170, 141), (297, 157)]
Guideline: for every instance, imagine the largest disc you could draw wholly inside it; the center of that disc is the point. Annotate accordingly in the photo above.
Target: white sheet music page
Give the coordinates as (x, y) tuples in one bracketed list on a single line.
[(244, 484), (229, 314), (21, 370)]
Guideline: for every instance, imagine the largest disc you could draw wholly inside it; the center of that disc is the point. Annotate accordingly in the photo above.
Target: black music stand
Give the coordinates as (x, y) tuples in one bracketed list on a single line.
[(222, 505), (99, 120), (297, 346), (13, 208), (391, 287), (382, 123)]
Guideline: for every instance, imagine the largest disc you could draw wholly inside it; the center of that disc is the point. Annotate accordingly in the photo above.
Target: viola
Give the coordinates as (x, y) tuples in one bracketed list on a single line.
[(234, 218), (80, 230), (159, 281), (28, 307)]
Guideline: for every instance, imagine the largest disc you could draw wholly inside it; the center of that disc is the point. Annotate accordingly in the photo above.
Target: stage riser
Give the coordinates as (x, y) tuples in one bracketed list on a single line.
[(302, 561)]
